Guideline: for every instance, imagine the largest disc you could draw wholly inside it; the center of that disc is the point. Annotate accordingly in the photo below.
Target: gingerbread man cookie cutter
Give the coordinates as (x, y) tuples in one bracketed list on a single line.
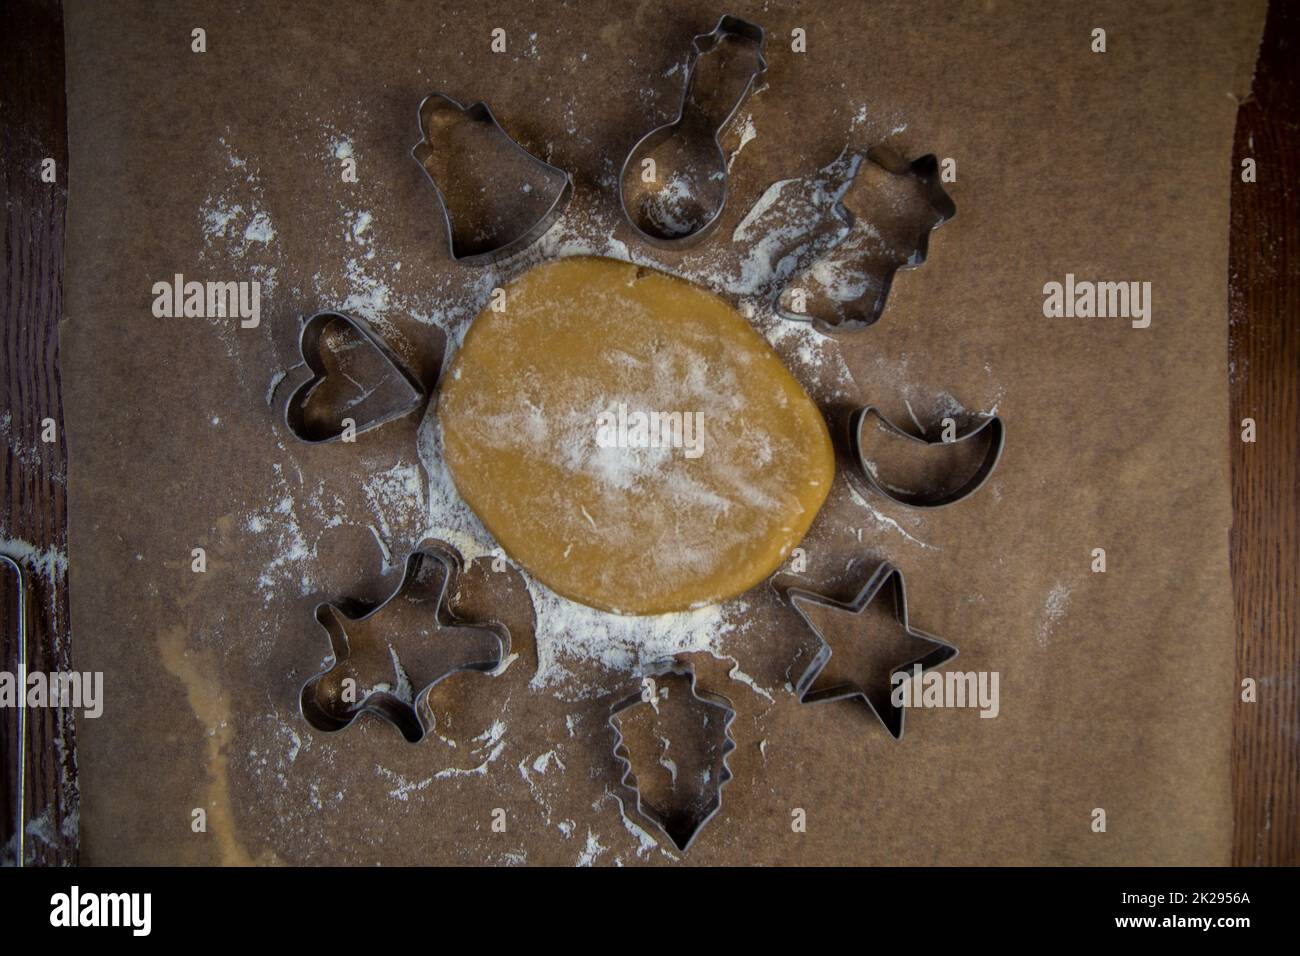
[(322, 702)]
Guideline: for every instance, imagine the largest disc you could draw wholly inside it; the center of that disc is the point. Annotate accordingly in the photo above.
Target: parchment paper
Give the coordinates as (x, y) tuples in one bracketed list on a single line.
[(1116, 687)]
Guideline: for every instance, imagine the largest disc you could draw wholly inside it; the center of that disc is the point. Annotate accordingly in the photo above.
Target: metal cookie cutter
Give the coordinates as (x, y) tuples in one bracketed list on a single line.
[(865, 311), (681, 827), (939, 652), (546, 188), (684, 200), (20, 738), (309, 345), (321, 702), (991, 428)]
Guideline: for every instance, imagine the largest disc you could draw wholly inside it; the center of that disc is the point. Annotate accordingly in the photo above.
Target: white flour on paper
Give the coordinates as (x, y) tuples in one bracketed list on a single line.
[(583, 652), (578, 648), (1054, 609)]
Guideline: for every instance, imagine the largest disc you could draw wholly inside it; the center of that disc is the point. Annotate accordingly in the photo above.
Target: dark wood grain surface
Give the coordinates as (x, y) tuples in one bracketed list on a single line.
[(1264, 346), (33, 472), (1264, 356)]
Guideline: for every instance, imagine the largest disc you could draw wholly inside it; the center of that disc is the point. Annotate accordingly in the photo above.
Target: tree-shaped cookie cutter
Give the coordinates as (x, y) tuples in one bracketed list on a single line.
[(681, 832), (326, 710), (706, 110), (438, 112)]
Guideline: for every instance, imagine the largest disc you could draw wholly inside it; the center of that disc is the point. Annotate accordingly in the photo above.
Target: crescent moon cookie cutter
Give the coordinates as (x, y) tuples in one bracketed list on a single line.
[(939, 652), (674, 209), (991, 429), (321, 701), (859, 313), (681, 827), (439, 115), (309, 346)]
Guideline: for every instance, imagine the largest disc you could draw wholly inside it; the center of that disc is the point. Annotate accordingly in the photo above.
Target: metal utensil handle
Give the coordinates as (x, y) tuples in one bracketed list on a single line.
[(21, 741)]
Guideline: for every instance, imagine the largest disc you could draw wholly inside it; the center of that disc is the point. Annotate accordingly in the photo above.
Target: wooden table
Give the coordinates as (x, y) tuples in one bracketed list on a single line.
[(1264, 352), (1264, 363)]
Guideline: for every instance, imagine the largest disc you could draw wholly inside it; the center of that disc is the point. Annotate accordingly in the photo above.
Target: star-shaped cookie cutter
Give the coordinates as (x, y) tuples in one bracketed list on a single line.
[(681, 831), (887, 575), (323, 707), (309, 345)]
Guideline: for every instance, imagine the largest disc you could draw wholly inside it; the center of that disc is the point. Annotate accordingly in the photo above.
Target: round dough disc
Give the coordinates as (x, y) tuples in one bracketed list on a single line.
[(540, 412)]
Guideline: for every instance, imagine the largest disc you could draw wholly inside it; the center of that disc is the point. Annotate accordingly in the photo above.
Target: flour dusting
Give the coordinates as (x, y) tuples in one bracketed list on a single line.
[(48, 563), (578, 647), (1054, 609), (584, 652)]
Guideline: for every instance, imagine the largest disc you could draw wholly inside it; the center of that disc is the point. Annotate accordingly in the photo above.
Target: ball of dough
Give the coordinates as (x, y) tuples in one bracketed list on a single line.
[(548, 435)]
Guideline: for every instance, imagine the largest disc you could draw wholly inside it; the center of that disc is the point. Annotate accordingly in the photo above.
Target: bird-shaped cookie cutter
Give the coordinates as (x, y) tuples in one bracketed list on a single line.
[(925, 170), (885, 576), (705, 110), (681, 831), (324, 708)]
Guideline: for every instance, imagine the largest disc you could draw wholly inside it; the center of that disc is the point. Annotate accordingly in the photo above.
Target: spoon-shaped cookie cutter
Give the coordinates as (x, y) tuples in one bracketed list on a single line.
[(925, 170), (437, 112), (309, 345), (329, 713), (990, 427), (680, 831), (20, 738), (696, 110)]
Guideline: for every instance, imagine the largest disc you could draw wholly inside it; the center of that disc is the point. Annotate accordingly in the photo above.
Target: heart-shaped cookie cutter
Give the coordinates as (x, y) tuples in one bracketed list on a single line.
[(309, 346), (329, 713)]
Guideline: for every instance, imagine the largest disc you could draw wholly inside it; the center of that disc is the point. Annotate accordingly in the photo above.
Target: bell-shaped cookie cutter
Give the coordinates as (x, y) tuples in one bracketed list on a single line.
[(439, 108), (926, 170), (309, 345), (991, 428), (413, 719), (681, 833), (729, 28)]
